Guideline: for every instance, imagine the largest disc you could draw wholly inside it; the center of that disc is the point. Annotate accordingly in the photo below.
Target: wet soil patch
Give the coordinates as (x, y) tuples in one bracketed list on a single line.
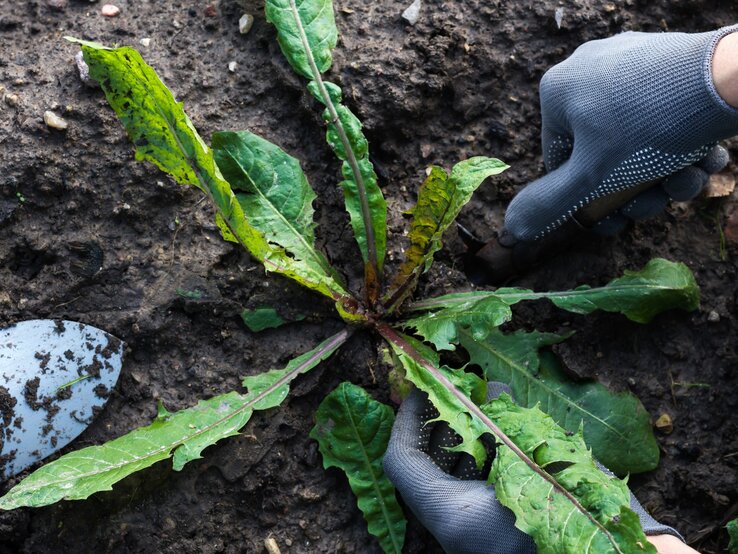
[(462, 81)]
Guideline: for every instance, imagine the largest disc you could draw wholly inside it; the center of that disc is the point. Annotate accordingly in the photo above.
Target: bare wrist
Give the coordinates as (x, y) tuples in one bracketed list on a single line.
[(669, 544), (725, 68)]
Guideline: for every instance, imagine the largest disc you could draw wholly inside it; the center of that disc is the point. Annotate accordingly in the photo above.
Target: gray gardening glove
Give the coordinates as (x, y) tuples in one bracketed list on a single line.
[(619, 112), (446, 492)]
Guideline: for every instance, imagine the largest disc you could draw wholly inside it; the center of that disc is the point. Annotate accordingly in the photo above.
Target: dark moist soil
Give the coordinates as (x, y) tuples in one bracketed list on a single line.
[(87, 234)]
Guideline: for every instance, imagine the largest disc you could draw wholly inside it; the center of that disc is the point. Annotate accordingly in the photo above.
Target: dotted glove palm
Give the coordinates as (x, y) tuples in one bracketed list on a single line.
[(446, 492), (619, 112)]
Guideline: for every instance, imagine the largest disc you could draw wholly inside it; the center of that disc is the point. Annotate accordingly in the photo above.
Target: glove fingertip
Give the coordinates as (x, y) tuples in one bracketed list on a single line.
[(715, 161)]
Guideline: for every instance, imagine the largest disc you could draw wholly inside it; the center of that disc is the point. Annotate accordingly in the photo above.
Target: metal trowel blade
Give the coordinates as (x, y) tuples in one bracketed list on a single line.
[(55, 376)]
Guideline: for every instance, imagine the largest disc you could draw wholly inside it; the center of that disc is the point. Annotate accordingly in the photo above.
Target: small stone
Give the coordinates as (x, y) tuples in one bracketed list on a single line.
[(271, 546), (245, 23), (211, 10), (664, 424), (58, 5), (83, 69), (12, 99), (54, 121), (609, 8), (145, 41), (232, 67), (713, 316), (110, 10), (412, 13), (559, 17), (426, 149)]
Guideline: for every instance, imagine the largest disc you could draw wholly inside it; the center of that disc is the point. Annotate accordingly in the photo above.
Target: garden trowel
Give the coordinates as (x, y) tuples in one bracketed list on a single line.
[(503, 257), (55, 377)]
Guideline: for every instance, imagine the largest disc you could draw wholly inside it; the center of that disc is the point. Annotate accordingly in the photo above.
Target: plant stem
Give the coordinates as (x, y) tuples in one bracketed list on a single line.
[(394, 338), (350, 156)]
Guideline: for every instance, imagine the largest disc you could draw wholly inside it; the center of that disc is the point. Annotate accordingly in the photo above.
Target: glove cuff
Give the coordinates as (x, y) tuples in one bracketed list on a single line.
[(652, 527)]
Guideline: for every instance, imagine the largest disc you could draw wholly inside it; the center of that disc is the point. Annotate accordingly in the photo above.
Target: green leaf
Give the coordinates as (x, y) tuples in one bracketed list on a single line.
[(440, 200), (441, 328), (258, 319), (273, 191), (353, 430), (182, 435), (600, 521), (639, 295), (732, 527), (520, 465), (616, 425), (273, 386), (365, 203), (470, 429), (164, 135), (312, 18), (307, 34)]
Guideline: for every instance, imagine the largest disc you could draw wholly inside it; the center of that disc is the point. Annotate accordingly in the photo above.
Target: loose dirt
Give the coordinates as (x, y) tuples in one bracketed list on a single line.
[(462, 81)]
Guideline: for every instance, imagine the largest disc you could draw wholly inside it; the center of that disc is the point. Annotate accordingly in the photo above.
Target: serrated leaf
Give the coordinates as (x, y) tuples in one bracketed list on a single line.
[(312, 18), (598, 521), (275, 383), (182, 435), (274, 192), (461, 411), (440, 200), (164, 135), (616, 425), (470, 429), (480, 317), (639, 295), (353, 430)]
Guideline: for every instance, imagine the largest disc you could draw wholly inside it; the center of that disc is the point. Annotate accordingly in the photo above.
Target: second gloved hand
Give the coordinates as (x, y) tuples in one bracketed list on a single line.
[(633, 108), (446, 492)]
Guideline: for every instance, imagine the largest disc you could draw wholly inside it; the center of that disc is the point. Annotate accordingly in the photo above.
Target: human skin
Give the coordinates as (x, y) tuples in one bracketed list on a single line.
[(669, 544), (725, 69)]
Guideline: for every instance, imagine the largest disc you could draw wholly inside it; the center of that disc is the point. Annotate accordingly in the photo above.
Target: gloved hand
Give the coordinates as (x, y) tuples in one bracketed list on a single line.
[(446, 492), (621, 111)]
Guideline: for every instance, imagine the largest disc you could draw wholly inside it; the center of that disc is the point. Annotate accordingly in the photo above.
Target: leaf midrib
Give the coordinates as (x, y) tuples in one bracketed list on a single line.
[(529, 378), (308, 247), (475, 296), (375, 484), (334, 343)]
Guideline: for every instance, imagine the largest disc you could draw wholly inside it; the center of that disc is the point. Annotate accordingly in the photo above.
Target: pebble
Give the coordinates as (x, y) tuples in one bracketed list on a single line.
[(83, 68), (713, 316), (12, 99), (559, 17), (664, 424), (245, 23), (271, 546), (110, 10), (58, 5), (412, 13), (54, 121), (145, 41), (232, 66)]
